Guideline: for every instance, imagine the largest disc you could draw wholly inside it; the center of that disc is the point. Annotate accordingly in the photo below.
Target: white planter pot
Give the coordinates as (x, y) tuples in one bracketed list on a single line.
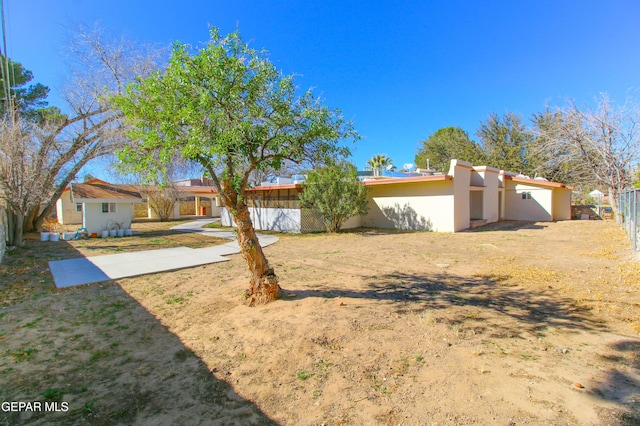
[(54, 236), (104, 234), (128, 232), (44, 236), (113, 233), (68, 236), (120, 232)]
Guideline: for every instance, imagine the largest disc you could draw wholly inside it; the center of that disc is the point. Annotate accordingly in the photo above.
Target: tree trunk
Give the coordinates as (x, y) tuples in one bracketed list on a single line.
[(264, 286), (613, 199), (30, 224), (15, 223)]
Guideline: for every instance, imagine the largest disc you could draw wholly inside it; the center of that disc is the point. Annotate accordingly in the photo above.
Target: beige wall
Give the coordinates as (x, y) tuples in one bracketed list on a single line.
[(411, 205), (538, 208), (561, 204), (461, 172), (490, 194), (96, 221), (66, 210)]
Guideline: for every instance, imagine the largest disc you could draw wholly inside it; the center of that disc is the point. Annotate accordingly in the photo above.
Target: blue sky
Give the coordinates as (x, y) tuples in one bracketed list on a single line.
[(400, 69)]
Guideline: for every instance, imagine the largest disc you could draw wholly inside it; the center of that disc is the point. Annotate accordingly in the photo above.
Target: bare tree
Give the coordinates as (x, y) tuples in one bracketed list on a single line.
[(162, 199), (21, 183), (101, 68), (606, 140)]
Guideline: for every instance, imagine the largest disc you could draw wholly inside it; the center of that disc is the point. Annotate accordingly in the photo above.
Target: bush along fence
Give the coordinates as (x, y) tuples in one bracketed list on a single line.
[(629, 216)]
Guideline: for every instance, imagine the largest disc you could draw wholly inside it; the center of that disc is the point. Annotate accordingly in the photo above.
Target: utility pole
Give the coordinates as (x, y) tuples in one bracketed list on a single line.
[(9, 107)]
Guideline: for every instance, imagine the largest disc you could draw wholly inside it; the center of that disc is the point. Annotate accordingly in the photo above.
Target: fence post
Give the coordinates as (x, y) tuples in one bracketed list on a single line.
[(635, 219)]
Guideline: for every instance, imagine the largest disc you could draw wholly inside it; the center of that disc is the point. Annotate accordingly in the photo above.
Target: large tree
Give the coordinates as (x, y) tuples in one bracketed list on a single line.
[(335, 192), (504, 141), (543, 153), (226, 106), (101, 66), (604, 139), (446, 144)]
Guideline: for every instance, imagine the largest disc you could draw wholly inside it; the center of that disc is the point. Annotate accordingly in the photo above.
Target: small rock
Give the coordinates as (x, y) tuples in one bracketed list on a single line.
[(442, 265)]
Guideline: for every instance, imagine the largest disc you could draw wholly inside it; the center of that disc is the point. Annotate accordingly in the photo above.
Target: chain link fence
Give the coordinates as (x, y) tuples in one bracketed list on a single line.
[(629, 215)]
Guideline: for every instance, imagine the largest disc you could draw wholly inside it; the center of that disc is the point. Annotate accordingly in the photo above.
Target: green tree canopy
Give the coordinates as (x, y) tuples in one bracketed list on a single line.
[(27, 98), (504, 141), (227, 107), (446, 144), (336, 193)]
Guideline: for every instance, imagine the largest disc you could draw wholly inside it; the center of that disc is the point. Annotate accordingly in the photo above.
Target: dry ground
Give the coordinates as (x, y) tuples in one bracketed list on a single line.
[(510, 325)]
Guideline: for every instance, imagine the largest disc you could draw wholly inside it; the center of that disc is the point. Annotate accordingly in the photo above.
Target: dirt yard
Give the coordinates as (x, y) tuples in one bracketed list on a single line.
[(517, 324)]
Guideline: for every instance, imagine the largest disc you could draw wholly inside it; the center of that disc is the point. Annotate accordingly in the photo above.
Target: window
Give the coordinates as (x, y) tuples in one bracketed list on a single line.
[(108, 207), (526, 195), (79, 207)]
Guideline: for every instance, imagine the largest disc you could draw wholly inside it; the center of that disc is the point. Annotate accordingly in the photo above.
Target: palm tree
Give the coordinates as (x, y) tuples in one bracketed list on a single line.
[(377, 162)]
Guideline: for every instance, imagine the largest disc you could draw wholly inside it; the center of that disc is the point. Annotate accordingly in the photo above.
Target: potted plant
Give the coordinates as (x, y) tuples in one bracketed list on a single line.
[(113, 231), (105, 232), (119, 229), (128, 231)]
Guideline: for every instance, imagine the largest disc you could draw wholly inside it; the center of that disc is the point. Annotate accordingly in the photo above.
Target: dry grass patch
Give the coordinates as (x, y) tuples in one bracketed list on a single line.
[(526, 324)]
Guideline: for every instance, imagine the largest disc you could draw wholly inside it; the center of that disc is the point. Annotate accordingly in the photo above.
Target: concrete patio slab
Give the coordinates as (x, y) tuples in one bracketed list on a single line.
[(72, 272)]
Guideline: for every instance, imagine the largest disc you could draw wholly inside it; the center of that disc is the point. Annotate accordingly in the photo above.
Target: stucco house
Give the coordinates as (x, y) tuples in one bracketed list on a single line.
[(96, 201), (98, 205), (464, 197)]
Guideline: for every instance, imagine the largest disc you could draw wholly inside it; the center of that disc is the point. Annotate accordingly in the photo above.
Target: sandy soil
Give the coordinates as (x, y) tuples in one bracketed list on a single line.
[(510, 325)]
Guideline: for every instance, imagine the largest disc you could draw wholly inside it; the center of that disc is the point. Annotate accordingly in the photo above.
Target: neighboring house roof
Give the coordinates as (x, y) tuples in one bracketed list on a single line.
[(104, 192)]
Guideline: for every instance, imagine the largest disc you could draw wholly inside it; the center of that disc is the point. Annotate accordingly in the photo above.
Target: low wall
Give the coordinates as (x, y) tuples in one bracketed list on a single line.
[(281, 220)]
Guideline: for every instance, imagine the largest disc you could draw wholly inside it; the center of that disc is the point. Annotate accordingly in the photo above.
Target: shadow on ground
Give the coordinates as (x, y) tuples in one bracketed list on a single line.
[(532, 310), (528, 311), (97, 349)]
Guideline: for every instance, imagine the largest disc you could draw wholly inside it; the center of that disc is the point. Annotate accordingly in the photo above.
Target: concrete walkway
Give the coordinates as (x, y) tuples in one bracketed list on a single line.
[(72, 272)]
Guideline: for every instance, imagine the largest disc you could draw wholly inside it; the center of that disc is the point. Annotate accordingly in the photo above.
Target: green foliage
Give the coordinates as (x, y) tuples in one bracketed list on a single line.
[(28, 98), (505, 140), (636, 177), (378, 162), (446, 144), (336, 193), (227, 107)]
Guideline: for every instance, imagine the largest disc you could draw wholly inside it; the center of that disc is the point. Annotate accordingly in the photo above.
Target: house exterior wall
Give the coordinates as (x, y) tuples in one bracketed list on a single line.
[(561, 204), (536, 208), (490, 194), (96, 221), (461, 172), (66, 210), (424, 206)]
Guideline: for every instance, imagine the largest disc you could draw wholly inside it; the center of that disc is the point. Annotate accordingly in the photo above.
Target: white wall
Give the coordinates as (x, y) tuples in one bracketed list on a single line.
[(282, 220), (66, 210), (96, 221)]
